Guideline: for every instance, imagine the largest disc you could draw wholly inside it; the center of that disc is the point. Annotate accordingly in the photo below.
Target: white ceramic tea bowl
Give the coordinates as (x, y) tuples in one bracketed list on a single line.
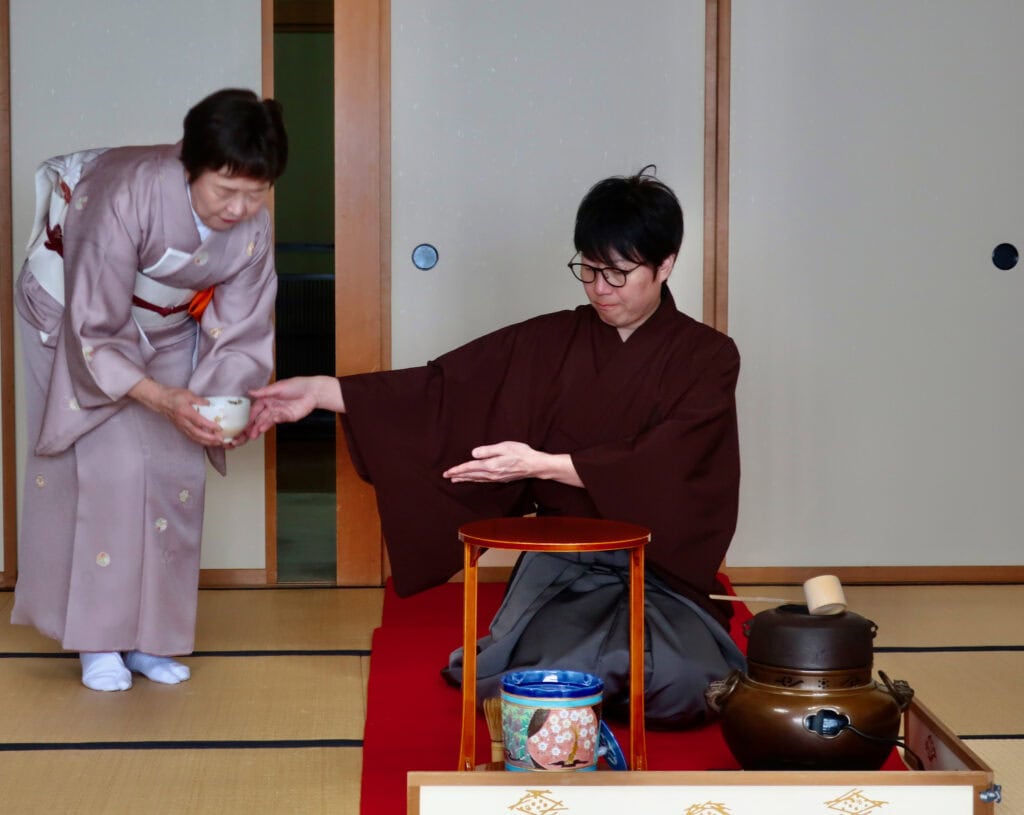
[(230, 412)]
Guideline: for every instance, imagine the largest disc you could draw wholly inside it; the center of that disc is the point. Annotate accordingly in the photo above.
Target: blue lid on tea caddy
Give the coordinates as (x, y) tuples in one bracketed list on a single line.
[(544, 684)]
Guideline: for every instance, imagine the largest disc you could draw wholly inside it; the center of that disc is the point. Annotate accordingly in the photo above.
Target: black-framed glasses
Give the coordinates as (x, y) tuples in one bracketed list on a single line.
[(586, 273)]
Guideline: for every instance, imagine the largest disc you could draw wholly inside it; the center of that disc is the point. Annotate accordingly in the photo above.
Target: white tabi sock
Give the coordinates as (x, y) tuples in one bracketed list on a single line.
[(159, 669), (104, 670)]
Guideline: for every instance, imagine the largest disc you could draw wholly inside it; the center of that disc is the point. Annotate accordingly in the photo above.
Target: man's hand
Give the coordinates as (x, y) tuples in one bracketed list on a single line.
[(512, 461), (289, 400)]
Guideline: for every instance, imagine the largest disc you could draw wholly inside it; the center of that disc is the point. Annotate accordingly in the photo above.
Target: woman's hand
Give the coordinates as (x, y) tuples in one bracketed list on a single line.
[(512, 461), (176, 404), (289, 400)]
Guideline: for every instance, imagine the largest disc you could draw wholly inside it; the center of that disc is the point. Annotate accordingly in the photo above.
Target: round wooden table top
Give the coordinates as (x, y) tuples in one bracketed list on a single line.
[(554, 532)]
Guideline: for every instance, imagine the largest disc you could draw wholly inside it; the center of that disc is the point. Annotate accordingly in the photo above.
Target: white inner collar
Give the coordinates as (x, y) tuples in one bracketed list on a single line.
[(204, 230)]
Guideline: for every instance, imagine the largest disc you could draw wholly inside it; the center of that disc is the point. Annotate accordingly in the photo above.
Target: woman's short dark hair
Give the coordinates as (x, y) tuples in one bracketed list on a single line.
[(637, 217), (233, 129)]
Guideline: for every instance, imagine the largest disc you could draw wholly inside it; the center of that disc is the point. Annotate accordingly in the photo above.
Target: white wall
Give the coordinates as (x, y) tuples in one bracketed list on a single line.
[(875, 164), (87, 73)]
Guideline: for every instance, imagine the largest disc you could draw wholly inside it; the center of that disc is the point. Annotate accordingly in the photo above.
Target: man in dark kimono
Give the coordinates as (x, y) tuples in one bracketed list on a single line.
[(622, 409)]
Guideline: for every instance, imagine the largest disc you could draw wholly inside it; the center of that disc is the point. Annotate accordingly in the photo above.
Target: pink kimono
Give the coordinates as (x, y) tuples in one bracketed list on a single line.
[(108, 555)]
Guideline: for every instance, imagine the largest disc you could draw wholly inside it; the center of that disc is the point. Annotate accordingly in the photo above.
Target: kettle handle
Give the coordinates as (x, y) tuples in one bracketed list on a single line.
[(719, 691), (899, 689)]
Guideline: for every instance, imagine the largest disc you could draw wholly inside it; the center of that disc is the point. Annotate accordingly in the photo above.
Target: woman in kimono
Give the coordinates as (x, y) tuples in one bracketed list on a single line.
[(149, 284), (623, 409)]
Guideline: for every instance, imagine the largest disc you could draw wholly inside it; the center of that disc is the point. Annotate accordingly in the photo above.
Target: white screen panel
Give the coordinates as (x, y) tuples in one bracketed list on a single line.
[(874, 166)]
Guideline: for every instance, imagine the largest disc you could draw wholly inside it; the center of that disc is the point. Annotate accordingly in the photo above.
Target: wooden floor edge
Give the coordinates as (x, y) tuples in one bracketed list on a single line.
[(231, 578), (208, 578), (852, 575), (738, 575)]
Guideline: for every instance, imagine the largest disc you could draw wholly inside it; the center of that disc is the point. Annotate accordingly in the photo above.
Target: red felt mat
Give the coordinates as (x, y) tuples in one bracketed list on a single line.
[(413, 718)]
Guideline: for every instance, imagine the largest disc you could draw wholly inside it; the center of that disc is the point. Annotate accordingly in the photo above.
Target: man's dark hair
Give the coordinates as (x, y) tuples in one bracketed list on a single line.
[(233, 129), (638, 217)]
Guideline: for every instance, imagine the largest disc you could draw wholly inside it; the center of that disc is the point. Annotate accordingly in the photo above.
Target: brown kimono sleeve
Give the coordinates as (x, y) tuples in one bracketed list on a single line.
[(405, 427)]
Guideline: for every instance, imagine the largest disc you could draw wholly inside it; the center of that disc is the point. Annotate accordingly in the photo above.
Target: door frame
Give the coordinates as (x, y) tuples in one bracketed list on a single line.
[(362, 273)]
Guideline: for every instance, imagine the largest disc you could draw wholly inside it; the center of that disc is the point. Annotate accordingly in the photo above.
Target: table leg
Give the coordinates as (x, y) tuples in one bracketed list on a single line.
[(637, 736), (467, 760)]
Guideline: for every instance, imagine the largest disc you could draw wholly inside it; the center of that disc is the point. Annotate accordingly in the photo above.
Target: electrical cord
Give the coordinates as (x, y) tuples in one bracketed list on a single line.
[(830, 723), (894, 742)]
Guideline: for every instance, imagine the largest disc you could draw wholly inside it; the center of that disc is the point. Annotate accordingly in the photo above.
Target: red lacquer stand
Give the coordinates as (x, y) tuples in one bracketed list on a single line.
[(555, 534)]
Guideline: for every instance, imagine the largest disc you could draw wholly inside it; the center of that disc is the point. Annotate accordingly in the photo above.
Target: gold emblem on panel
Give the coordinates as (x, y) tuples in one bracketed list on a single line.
[(707, 808), (854, 802), (538, 802)]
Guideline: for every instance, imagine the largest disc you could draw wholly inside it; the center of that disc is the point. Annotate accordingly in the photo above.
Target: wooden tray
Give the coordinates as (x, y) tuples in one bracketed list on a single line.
[(953, 781)]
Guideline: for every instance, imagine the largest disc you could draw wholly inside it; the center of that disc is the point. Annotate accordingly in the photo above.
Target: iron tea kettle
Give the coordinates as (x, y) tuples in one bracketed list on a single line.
[(808, 699)]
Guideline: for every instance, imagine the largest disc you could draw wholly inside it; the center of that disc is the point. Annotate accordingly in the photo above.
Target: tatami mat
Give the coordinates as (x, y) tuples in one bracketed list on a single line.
[(364, 671), (23, 639), (926, 616), (263, 729), (254, 619), (272, 619), (174, 782), (227, 699), (1006, 758), (972, 693)]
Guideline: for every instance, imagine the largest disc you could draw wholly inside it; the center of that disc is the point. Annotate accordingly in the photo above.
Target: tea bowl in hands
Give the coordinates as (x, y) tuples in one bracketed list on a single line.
[(230, 412)]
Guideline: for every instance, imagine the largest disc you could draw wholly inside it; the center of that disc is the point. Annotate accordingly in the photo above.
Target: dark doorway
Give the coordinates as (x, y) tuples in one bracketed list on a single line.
[(304, 230)]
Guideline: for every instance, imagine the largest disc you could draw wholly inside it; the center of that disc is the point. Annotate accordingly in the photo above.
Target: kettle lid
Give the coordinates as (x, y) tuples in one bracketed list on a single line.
[(791, 637)]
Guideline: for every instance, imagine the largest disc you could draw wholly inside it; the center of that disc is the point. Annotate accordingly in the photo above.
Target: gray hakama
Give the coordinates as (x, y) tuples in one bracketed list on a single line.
[(571, 611), (109, 546)]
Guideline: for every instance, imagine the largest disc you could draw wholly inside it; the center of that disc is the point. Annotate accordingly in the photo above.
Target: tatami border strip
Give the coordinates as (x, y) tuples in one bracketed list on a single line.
[(942, 649), (365, 652), (342, 652), (283, 744), (261, 744), (285, 652)]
